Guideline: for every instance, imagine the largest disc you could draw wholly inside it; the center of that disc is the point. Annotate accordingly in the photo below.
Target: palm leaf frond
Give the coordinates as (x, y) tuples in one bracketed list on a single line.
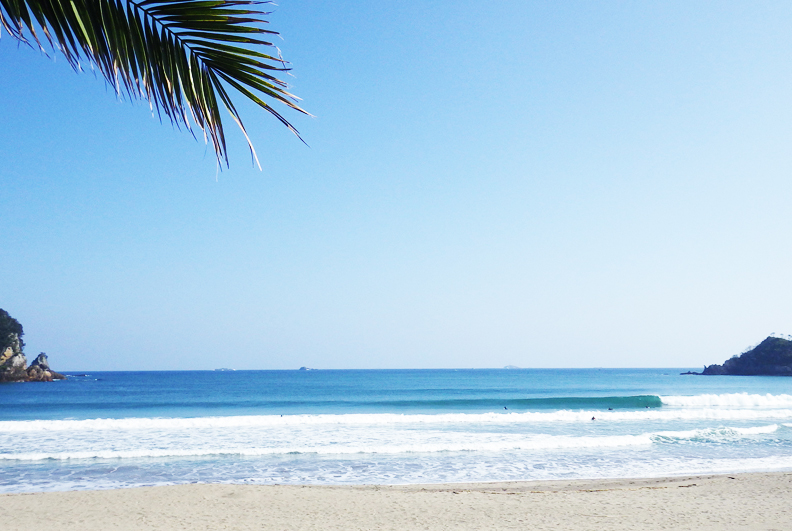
[(180, 55)]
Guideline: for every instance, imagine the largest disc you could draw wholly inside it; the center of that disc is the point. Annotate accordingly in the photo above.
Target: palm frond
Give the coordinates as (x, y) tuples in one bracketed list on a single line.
[(180, 55)]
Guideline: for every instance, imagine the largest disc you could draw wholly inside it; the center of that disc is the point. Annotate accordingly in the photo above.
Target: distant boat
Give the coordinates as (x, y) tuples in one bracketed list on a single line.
[(511, 367), (225, 369)]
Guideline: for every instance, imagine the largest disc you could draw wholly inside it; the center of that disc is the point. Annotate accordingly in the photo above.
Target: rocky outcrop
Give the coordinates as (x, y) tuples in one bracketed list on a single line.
[(772, 357), (12, 360), (13, 364), (39, 370)]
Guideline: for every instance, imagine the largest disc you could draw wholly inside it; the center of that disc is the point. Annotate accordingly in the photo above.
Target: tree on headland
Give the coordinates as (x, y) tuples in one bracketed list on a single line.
[(183, 56), (8, 327)]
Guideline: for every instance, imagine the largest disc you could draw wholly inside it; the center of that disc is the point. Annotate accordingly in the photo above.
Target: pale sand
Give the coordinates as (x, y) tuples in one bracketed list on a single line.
[(743, 501)]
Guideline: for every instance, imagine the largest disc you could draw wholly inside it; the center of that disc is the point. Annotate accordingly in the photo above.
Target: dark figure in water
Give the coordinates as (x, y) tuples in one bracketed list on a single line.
[(504, 407), (610, 409), (593, 418)]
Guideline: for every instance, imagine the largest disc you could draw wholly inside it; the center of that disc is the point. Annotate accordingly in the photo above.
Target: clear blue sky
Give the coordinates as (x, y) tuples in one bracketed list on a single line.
[(544, 184)]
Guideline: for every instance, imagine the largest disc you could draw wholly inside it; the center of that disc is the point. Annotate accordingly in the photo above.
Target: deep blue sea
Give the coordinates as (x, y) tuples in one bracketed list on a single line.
[(123, 429)]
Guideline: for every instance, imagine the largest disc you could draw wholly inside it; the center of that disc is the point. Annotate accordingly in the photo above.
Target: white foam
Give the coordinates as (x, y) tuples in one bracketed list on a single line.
[(721, 433), (536, 442), (756, 430), (741, 400), (437, 468), (386, 419), (421, 443), (323, 442)]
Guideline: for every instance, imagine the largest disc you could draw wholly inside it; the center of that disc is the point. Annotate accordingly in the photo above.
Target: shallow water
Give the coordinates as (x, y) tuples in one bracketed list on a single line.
[(109, 430)]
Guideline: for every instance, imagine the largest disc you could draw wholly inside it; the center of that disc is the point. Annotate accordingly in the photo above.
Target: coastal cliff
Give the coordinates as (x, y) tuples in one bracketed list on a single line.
[(771, 357), (13, 363)]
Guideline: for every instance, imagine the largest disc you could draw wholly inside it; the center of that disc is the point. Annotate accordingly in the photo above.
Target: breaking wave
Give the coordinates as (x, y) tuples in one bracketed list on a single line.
[(740, 400)]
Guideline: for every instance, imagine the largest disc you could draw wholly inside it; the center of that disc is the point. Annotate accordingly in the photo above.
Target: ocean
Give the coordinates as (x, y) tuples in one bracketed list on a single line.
[(123, 429)]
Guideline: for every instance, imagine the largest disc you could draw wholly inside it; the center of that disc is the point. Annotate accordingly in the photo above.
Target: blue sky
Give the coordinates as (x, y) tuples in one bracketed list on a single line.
[(542, 184)]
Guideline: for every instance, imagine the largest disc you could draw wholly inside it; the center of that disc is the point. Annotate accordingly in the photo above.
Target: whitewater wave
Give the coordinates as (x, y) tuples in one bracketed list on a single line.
[(740, 400), (720, 434), (539, 442), (455, 468), (431, 444), (500, 419)]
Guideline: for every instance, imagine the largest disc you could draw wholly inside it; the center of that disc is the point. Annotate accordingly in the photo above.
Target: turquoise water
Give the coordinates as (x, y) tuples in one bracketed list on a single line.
[(120, 429)]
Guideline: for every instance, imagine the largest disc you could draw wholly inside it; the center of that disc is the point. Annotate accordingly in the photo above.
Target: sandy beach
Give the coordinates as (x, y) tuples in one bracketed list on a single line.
[(756, 501)]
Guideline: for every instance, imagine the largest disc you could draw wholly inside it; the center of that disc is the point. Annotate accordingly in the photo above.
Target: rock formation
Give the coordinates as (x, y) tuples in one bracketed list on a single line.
[(39, 370), (12, 361), (13, 364), (772, 357)]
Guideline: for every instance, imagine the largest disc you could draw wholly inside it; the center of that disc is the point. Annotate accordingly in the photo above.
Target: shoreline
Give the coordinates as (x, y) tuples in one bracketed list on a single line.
[(753, 500)]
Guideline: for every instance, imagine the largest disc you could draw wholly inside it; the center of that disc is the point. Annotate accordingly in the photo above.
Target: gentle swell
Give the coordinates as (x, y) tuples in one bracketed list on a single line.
[(565, 402), (735, 406)]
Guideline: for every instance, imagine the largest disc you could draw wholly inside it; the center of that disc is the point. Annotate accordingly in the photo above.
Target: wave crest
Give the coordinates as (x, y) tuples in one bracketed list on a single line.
[(741, 400)]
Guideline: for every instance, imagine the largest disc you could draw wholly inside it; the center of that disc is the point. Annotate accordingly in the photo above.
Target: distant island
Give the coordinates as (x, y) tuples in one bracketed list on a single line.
[(771, 357), (13, 363)]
